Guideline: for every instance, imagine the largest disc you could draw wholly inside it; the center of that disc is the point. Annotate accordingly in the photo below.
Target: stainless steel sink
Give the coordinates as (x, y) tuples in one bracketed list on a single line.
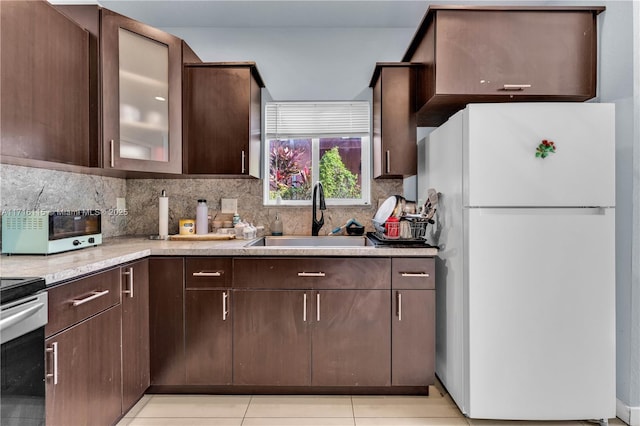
[(304, 241)]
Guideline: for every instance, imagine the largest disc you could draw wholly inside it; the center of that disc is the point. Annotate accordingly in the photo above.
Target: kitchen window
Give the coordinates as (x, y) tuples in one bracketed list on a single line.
[(308, 142)]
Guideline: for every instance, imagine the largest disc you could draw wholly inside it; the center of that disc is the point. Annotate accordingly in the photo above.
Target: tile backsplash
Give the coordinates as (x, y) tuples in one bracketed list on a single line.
[(42, 189), (142, 202), (31, 188)]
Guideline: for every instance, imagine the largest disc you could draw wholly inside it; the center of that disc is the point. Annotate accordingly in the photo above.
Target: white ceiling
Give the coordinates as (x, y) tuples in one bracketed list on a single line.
[(287, 13), (269, 13)]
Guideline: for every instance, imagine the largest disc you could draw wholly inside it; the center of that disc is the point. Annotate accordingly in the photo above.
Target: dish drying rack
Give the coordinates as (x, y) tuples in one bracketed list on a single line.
[(407, 227)]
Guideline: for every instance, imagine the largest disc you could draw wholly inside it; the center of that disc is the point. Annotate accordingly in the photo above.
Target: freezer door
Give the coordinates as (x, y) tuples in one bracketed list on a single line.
[(502, 169), (541, 325)]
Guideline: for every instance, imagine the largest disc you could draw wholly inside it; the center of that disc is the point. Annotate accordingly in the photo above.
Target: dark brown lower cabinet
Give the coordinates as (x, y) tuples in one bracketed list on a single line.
[(84, 386), (350, 336), (271, 337), (303, 322), (166, 320), (135, 332), (208, 334), (413, 342)]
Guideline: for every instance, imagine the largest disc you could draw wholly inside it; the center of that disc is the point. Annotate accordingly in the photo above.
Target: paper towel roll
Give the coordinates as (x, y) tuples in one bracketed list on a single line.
[(163, 215)]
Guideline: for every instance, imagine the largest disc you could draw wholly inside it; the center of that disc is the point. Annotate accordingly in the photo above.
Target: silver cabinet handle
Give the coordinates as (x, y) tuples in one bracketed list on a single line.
[(318, 307), (94, 295), (388, 161), (243, 157), (113, 153), (515, 87), (54, 350), (399, 301), (129, 274), (311, 274), (225, 311), (414, 274), (207, 274), (304, 307)]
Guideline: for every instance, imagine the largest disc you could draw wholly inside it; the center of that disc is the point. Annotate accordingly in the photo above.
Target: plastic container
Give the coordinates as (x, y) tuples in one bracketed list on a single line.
[(187, 226), (392, 227), (202, 214), (239, 228), (276, 226)]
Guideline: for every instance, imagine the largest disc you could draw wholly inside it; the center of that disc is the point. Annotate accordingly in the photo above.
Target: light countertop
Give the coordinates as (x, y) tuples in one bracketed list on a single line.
[(116, 251)]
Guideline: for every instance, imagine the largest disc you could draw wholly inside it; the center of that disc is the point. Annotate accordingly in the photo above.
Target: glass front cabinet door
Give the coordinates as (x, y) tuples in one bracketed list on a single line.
[(142, 85)]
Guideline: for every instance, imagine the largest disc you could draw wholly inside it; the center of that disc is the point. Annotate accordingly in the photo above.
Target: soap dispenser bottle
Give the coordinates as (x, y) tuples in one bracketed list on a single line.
[(276, 226)]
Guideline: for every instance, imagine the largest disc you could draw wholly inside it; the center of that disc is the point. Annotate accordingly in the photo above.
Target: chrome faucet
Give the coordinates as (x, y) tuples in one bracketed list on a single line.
[(317, 224)]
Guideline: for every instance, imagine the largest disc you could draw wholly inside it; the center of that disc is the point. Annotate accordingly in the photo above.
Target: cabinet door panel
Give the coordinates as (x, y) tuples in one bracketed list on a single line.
[(394, 121), (208, 272), (88, 390), (271, 338), (413, 273), (217, 123), (154, 142), (351, 336), (45, 85), (477, 52), (166, 320), (413, 338), (208, 333), (310, 273), (61, 299), (135, 332)]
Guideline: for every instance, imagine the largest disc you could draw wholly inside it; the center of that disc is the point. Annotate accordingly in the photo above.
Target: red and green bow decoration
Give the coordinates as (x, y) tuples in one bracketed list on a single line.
[(545, 148)]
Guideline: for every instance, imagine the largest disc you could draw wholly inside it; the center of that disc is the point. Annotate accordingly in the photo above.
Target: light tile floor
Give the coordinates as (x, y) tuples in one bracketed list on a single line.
[(438, 409)]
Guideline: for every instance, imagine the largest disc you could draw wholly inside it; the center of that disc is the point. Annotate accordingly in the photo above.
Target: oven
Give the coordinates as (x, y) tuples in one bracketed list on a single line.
[(23, 316)]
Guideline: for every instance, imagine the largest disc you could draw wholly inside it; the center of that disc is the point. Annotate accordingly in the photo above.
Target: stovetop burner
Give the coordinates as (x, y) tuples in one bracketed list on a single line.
[(12, 288)]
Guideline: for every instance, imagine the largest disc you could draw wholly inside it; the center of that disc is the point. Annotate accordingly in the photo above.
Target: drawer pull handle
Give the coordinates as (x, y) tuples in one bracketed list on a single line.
[(54, 350), (112, 153), (311, 274), (304, 308), (207, 274), (515, 87), (94, 295), (414, 274), (225, 311), (129, 273), (388, 162)]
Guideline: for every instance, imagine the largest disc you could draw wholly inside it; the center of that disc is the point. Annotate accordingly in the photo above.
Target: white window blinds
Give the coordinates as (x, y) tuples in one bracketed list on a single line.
[(308, 119)]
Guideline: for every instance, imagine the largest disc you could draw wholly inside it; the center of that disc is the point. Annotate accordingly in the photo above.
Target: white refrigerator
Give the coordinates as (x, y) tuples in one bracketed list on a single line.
[(525, 282)]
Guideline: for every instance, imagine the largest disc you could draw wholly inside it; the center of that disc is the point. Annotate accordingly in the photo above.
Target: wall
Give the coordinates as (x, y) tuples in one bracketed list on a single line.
[(314, 63), (41, 189), (142, 199), (617, 85)]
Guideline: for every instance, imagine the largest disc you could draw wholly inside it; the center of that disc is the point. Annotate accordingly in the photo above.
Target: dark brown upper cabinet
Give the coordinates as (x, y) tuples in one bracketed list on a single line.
[(394, 120), (141, 96), (135, 90), (222, 119), (502, 54), (45, 85)]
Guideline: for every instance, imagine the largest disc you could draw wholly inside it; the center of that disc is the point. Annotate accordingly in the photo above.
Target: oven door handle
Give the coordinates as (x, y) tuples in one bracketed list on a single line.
[(19, 316)]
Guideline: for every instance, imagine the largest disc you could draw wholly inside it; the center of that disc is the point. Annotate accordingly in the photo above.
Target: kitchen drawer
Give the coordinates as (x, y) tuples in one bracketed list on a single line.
[(208, 272), (77, 300), (312, 273), (413, 273)]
